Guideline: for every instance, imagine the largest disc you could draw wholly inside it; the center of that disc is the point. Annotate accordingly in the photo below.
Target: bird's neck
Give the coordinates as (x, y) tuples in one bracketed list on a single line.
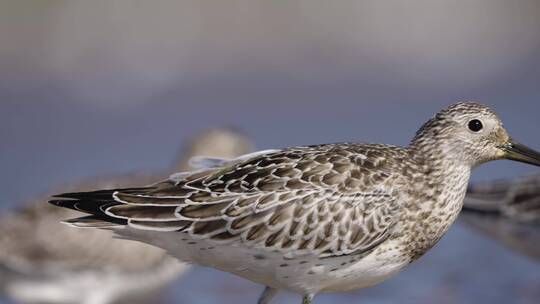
[(443, 168), (440, 152), (437, 195), (442, 164)]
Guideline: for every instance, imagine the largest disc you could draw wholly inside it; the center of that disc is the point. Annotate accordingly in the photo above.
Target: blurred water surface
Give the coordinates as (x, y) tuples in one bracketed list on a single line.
[(98, 88)]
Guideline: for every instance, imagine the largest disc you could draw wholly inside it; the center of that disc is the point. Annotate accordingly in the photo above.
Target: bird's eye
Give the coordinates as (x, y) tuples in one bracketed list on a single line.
[(475, 125)]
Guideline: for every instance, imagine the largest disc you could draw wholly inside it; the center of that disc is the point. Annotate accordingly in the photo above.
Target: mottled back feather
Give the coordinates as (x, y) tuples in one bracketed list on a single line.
[(327, 200)]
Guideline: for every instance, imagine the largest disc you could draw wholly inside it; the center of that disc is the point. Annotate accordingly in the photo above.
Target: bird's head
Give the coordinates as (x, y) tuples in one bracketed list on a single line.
[(471, 133)]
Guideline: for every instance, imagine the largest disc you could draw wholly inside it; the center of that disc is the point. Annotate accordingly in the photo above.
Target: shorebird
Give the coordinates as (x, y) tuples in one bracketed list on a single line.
[(507, 210), (43, 261), (311, 219), (226, 142)]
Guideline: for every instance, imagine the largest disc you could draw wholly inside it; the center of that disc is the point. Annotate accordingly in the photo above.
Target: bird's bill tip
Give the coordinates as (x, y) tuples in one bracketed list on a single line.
[(521, 153)]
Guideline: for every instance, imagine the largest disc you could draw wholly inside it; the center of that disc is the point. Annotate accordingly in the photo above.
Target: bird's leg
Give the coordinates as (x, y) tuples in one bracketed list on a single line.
[(267, 295), (308, 299)]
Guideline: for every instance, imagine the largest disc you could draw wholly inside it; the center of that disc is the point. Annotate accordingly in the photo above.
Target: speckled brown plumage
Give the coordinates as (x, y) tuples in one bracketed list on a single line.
[(330, 217), (295, 201)]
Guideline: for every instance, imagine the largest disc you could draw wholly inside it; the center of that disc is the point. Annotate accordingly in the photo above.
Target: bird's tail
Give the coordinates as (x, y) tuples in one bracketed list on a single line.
[(93, 203)]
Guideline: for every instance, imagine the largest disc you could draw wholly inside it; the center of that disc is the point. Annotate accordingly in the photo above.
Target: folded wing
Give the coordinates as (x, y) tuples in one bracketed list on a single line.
[(325, 200)]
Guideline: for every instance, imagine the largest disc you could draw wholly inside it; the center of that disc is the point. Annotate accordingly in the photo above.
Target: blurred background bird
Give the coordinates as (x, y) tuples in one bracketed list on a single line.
[(508, 211), (44, 261), (94, 88)]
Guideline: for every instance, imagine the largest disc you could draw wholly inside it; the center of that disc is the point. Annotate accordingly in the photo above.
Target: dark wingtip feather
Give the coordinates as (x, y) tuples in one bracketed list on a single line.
[(94, 203), (98, 194), (93, 221), (96, 208), (63, 203)]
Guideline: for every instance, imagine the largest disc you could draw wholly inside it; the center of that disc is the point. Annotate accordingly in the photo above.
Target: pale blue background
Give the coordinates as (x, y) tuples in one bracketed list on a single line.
[(89, 89)]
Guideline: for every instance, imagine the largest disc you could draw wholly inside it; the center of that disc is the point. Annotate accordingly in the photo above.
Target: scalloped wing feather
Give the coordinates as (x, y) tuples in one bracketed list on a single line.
[(327, 201)]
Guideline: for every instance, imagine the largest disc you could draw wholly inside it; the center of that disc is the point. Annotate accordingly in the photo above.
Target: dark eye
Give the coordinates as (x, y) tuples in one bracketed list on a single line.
[(475, 125)]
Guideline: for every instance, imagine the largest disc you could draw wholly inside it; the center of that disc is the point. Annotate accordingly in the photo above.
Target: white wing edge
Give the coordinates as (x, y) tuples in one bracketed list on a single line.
[(205, 162)]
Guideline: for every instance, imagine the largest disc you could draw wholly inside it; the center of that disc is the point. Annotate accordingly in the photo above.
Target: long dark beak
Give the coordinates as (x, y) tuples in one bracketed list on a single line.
[(521, 153)]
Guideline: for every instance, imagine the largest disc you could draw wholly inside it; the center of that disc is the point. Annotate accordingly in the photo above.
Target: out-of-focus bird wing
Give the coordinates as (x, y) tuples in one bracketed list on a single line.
[(517, 200)]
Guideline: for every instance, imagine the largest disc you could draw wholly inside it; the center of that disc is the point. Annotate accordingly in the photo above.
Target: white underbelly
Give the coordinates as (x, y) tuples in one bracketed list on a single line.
[(305, 274), (376, 267)]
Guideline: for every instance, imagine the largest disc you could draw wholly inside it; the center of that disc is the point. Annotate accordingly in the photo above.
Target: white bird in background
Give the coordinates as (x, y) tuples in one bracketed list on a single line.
[(45, 261)]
